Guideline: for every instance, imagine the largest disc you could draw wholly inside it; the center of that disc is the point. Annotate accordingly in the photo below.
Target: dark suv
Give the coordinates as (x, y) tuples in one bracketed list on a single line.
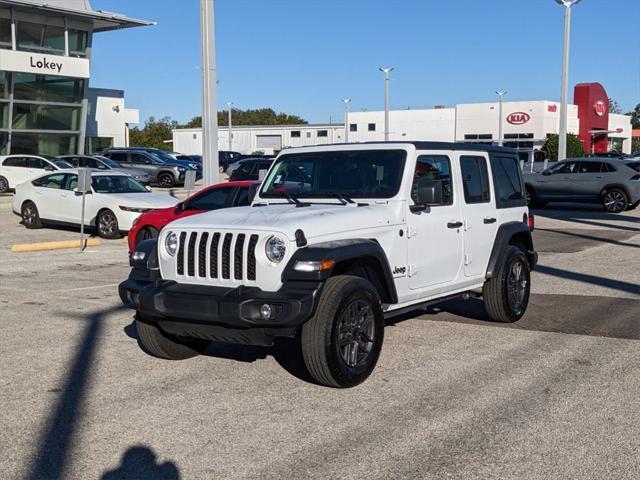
[(162, 173), (613, 182), (249, 168)]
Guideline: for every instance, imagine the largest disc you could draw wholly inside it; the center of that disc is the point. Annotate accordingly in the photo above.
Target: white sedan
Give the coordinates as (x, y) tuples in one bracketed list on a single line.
[(114, 202)]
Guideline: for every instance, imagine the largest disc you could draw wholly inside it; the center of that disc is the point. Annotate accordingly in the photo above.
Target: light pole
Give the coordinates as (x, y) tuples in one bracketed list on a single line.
[(562, 137), (346, 119), (209, 110), (386, 72), (500, 93), (230, 105)]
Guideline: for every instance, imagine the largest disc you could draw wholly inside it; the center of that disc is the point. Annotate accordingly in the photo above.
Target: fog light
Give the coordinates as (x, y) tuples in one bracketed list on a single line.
[(265, 311), (138, 256)]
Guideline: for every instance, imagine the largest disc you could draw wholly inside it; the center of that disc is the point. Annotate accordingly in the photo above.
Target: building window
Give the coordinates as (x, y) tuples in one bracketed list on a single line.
[(97, 144), (30, 116), (475, 178), (479, 138), (308, 134), (5, 33), (43, 143), (295, 133), (78, 40), (34, 37), (353, 127), (28, 86), (323, 133), (516, 141), (372, 127), (4, 114)]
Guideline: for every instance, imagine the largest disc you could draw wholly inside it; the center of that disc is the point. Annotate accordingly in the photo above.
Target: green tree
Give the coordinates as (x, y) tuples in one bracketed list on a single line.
[(260, 116), (635, 145), (574, 147), (614, 107), (153, 134), (635, 117)]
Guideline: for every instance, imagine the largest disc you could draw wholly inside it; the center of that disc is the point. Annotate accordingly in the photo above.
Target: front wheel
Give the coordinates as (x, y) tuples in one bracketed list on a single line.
[(162, 345), (506, 296), (341, 343), (615, 200), (4, 185), (166, 180), (108, 225)]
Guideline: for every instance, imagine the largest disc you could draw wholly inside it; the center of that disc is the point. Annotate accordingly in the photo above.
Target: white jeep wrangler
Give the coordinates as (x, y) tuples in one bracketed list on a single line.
[(337, 239)]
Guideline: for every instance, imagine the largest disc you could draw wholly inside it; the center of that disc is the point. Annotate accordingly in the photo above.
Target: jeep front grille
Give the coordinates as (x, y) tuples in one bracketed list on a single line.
[(223, 256)]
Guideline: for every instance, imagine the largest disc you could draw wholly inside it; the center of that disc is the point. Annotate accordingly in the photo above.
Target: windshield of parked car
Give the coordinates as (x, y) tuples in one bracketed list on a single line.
[(108, 162), (164, 156), (62, 164), (116, 184), (350, 173)]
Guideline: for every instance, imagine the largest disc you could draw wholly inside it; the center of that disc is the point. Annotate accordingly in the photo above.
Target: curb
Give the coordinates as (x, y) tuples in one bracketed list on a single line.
[(37, 247)]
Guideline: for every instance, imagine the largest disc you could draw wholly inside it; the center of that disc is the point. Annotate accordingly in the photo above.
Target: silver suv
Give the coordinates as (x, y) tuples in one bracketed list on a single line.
[(613, 182)]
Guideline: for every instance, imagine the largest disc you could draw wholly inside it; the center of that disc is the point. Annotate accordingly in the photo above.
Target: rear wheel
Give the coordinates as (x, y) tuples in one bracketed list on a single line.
[(30, 215), (108, 225), (162, 345), (166, 180), (4, 185), (532, 199), (506, 296), (341, 343), (614, 200)]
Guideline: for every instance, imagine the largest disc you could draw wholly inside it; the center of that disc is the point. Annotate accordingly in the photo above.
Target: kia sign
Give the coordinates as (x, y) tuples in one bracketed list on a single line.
[(518, 118), (600, 108)]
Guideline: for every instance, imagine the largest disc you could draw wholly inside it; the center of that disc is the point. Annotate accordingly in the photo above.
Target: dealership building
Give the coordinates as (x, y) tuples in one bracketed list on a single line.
[(46, 105), (525, 125)]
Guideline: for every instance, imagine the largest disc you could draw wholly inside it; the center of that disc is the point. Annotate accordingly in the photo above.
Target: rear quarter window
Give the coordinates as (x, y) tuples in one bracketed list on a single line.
[(633, 165), (507, 181)]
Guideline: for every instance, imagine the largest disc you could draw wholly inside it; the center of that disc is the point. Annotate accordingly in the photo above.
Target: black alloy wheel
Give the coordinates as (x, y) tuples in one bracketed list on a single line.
[(356, 333), (166, 180), (108, 225), (4, 185), (30, 215), (517, 284), (615, 201), (506, 295)]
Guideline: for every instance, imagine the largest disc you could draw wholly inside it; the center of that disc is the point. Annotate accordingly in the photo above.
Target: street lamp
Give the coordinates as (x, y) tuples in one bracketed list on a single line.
[(230, 105), (500, 93), (346, 119), (209, 115), (562, 137), (386, 72)]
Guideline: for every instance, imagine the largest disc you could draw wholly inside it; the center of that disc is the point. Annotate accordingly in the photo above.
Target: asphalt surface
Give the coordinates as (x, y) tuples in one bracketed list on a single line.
[(453, 396)]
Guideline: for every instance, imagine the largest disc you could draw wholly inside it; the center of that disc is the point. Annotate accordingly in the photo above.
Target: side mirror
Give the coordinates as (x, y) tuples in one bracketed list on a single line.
[(428, 194), (547, 172)]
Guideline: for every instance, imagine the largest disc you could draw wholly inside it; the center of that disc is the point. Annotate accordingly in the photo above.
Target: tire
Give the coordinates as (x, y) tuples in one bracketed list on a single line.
[(614, 200), (30, 215), (633, 206), (107, 225), (501, 302), (532, 199), (4, 185), (162, 345), (166, 180), (348, 308), (146, 233)]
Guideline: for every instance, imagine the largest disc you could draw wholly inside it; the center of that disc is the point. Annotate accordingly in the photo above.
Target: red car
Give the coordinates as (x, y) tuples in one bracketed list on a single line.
[(222, 195)]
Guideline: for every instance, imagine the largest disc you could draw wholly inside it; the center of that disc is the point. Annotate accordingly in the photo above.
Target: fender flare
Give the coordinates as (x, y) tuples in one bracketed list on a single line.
[(342, 251), (503, 236), (615, 185)]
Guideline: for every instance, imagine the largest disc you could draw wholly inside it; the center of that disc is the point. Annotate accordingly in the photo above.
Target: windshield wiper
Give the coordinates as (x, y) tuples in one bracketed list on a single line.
[(292, 199)]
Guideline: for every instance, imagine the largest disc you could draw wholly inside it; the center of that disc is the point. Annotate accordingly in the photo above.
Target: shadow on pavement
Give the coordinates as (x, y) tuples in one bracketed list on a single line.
[(592, 279), (570, 241), (140, 463), (570, 314), (57, 437), (287, 352)]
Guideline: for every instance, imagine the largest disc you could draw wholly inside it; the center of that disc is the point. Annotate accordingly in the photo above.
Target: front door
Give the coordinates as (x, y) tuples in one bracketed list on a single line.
[(434, 239), (478, 212), (48, 196)]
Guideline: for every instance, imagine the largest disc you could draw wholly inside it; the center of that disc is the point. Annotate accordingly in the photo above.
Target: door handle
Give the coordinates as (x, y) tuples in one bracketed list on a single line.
[(454, 224), (489, 220)]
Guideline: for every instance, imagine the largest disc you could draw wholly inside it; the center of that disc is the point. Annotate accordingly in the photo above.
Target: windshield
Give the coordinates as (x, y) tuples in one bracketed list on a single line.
[(108, 161), (352, 173), (116, 184), (62, 164), (162, 155)]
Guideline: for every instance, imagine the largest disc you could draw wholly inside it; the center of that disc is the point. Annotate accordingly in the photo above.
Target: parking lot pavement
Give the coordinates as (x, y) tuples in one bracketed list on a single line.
[(454, 395)]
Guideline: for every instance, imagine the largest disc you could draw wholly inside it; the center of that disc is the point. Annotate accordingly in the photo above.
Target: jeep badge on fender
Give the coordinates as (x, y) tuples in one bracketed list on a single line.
[(242, 275)]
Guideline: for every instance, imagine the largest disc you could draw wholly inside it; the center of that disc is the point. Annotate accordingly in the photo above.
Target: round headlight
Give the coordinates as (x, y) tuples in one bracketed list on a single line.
[(275, 249), (171, 244)]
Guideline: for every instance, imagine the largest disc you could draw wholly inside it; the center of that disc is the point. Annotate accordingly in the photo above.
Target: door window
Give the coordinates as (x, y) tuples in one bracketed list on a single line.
[(506, 181), (475, 179), (119, 157), (72, 182), (55, 181), (38, 163), (16, 162), (211, 199), (139, 158), (608, 168), (434, 167), (590, 167), (565, 168)]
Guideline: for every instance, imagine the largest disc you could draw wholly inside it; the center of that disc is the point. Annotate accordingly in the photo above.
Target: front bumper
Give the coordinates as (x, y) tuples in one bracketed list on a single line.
[(216, 313)]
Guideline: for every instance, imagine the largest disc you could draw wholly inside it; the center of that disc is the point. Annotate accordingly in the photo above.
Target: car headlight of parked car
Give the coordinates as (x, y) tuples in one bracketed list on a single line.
[(275, 249), (181, 169), (171, 243), (134, 209)]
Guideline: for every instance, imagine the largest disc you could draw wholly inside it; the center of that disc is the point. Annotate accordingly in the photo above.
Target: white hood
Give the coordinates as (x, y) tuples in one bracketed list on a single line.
[(315, 220), (142, 200)]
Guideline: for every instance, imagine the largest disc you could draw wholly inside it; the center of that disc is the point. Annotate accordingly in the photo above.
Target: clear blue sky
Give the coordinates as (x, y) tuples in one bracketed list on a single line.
[(303, 56)]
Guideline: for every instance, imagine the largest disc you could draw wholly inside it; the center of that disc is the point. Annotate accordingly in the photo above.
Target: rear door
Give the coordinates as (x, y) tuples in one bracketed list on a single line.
[(48, 192), (38, 166), (478, 211), (589, 180), (16, 170)]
